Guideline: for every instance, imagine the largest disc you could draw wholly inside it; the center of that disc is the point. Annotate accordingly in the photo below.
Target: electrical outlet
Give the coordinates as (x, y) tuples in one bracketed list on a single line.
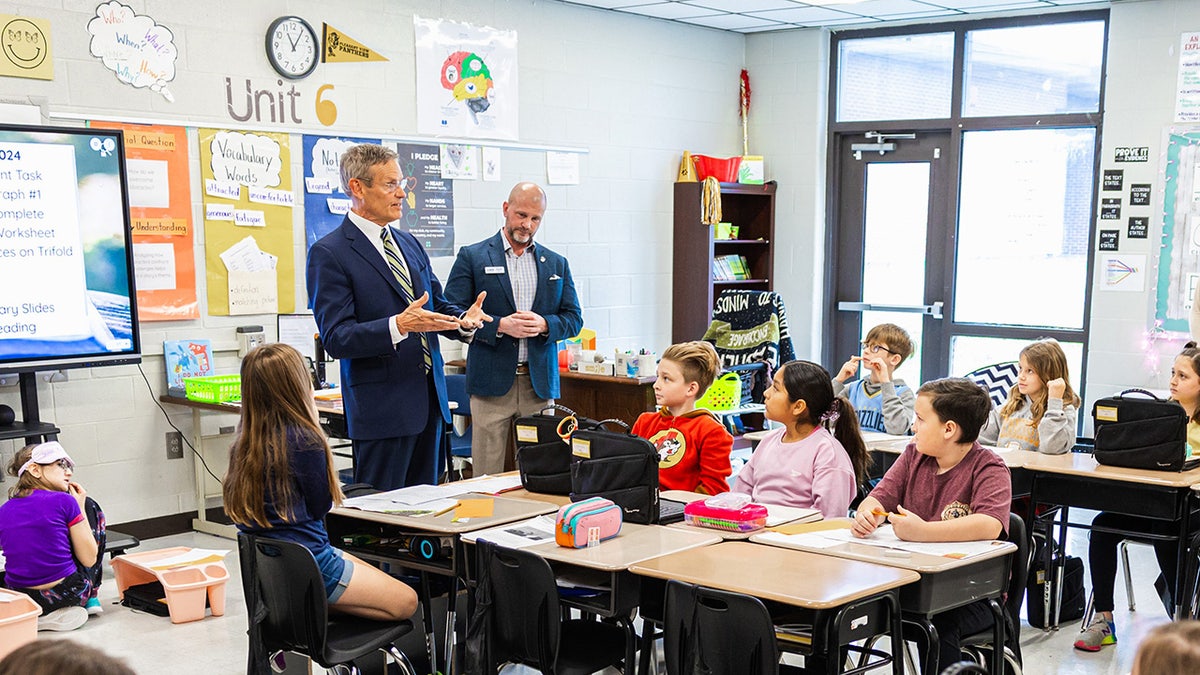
[(174, 445)]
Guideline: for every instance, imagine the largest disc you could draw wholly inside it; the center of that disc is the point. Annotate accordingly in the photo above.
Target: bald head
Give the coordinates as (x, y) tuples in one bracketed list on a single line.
[(523, 214)]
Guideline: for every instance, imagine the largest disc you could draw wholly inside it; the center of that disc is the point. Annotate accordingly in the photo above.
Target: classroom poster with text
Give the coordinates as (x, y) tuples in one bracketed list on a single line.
[(248, 239), (427, 211), (160, 215), (325, 204)]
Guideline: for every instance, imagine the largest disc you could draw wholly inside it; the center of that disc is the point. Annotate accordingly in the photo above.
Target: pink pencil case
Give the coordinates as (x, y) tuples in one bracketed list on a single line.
[(742, 519), (587, 521)]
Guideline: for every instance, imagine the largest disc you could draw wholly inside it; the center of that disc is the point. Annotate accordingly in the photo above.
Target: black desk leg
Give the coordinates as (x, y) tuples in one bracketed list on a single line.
[(925, 634), (647, 646), (997, 637), (426, 598)]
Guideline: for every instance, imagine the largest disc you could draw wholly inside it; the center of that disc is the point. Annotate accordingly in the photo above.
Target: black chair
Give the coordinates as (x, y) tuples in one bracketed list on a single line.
[(117, 543), (979, 645), (526, 625), (288, 611), (718, 633)]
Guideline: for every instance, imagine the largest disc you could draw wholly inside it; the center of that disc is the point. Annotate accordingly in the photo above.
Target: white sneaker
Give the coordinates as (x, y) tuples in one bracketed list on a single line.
[(63, 619)]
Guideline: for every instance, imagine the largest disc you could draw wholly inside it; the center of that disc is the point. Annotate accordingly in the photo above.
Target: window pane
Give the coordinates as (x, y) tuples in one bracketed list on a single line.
[(1032, 70), (969, 353), (906, 77), (1024, 208)]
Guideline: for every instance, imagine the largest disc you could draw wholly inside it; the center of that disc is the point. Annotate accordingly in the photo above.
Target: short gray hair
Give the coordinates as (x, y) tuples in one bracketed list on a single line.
[(358, 160)]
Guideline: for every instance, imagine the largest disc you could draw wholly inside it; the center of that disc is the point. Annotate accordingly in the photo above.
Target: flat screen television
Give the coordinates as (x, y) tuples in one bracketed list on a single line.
[(67, 295)]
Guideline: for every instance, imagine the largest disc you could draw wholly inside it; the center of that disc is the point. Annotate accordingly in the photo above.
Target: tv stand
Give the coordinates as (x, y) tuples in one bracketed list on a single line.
[(30, 427)]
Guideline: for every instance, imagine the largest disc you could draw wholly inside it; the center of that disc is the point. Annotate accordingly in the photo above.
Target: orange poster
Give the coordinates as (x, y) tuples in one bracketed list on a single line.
[(160, 212)]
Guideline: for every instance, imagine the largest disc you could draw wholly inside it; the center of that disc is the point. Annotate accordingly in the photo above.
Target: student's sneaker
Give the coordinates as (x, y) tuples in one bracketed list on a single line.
[(94, 607), (63, 619), (1101, 632)]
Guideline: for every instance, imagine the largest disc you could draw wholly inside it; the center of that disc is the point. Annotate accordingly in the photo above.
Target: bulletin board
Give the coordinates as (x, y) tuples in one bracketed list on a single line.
[(248, 237), (160, 214), (1179, 261)]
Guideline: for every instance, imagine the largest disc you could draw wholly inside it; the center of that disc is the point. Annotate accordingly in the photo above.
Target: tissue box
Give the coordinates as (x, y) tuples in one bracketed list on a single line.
[(593, 368)]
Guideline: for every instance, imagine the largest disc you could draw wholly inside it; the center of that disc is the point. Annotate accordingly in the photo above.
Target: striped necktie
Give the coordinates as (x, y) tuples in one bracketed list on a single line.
[(392, 253)]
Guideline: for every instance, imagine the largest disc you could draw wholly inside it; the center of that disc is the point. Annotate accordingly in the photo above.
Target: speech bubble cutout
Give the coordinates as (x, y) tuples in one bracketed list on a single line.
[(326, 155), (141, 52), (248, 159)]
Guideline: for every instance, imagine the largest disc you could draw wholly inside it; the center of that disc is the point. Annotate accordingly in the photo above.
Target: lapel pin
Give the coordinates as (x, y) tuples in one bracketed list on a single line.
[(542, 259)]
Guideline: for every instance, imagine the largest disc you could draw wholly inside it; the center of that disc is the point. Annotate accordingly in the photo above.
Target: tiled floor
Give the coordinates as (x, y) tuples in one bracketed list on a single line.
[(217, 645)]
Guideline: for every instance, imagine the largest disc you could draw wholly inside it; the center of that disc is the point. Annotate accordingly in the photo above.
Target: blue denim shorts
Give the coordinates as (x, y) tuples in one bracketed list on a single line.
[(335, 571)]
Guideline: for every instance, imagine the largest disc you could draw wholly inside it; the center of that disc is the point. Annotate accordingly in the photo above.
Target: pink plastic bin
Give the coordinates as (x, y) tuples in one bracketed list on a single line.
[(186, 587), (18, 620)]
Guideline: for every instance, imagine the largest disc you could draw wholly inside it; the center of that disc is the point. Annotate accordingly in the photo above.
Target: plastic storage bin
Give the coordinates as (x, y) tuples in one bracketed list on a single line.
[(213, 388), (18, 620), (186, 586)]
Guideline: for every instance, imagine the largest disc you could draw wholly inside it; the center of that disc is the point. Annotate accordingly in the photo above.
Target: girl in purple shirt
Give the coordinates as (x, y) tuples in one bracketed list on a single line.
[(53, 537)]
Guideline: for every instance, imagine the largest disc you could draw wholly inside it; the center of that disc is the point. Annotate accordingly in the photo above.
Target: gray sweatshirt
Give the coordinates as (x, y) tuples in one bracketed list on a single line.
[(886, 407), (1055, 434)]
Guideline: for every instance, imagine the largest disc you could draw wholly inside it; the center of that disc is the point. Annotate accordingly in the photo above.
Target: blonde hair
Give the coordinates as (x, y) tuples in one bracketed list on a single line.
[(1193, 356), (697, 360), (26, 482), (1170, 649), (277, 402), (895, 337), (1047, 359)]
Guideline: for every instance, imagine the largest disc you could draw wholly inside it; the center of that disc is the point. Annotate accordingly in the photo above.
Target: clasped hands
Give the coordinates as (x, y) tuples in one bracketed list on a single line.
[(523, 324), (416, 319)]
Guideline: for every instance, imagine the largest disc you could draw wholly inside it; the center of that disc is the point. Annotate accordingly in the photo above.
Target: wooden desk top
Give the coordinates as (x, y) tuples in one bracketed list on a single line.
[(505, 510), (235, 407), (635, 544), (1082, 464), (797, 578), (555, 500), (917, 562)]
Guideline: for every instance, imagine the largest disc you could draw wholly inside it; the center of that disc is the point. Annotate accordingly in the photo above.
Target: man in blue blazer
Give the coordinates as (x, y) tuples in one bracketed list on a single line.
[(379, 308), (512, 363)]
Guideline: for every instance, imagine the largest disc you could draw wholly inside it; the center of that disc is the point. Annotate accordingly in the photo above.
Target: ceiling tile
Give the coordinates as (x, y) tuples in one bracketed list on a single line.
[(886, 7), (803, 15), (609, 4), (742, 6), (734, 22), (670, 10)]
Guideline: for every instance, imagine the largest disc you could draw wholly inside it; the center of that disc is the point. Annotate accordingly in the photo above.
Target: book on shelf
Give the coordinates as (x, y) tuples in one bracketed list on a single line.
[(186, 358)]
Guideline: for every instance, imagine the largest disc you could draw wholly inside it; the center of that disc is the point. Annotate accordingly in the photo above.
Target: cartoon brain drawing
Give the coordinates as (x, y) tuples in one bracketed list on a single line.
[(468, 78)]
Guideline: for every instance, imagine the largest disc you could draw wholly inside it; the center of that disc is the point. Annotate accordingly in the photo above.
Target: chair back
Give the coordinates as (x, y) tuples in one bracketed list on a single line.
[(717, 633), (998, 379), (526, 621), (1019, 535), (284, 589), (456, 390)]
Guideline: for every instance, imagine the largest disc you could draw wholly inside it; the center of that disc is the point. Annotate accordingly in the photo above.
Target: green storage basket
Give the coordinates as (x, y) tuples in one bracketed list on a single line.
[(724, 394), (213, 388)]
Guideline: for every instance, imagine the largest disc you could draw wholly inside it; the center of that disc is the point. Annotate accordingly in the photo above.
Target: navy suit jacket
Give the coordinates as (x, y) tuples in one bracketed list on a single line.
[(491, 358), (354, 295)]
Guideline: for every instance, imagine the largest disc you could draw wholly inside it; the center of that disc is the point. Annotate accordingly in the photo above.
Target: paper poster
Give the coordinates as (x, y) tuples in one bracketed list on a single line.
[(427, 211), (242, 252), (135, 47), (1123, 273), (160, 212), (466, 80), (491, 164), (325, 205), (460, 161), (562, 168), (1187, 90), (26, 48)]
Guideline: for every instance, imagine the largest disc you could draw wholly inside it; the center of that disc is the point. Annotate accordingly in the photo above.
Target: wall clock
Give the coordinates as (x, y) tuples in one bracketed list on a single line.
[(292, 47)]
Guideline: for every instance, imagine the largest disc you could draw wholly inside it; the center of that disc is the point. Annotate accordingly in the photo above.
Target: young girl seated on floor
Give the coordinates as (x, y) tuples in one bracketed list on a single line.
[(1102, 546), (1039, 414), (803, 464), (53, 537), (281, 482)]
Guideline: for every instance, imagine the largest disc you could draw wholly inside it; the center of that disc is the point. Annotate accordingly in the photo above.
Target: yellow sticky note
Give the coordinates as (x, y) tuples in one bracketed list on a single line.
[(474, 508)]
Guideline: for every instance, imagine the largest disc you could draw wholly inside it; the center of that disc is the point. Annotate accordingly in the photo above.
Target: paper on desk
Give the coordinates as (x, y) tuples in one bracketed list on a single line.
[(419, 494), (382, 503), (537, 530), (806, 539), (487, 484), (821, 525), (195, 556), (474, 508), (778, 515), (885, 537)]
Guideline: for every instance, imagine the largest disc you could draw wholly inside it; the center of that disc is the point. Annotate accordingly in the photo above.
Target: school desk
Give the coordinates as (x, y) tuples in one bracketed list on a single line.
[(946, 583), (610, 561), (428, 544), (1076, 479), (844, 600)]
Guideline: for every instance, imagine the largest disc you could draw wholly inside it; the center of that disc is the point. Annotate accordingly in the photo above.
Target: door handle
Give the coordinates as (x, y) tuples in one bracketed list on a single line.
[(934, 310)]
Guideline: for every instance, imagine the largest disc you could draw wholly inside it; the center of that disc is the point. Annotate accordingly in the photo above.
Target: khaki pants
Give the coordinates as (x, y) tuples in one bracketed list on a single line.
[(492, 424)]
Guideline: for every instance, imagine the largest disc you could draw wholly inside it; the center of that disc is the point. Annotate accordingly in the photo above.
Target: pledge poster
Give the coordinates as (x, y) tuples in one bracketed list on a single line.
[(160, 215)]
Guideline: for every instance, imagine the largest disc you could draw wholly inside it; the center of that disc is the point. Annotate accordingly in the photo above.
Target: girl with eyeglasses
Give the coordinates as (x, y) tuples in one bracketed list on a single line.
[(53, 537), (1039, 414)]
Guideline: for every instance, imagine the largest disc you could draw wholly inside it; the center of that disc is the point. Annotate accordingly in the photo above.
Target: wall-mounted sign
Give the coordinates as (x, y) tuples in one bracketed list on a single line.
[(1114, 180), (1138, 154), (1139, 194), (1110, 208), (1109, 240), (1139, 227)]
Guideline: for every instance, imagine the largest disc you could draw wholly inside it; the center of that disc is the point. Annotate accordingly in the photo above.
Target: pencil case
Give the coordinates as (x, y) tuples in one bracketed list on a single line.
[(745, 518), (587, 521)]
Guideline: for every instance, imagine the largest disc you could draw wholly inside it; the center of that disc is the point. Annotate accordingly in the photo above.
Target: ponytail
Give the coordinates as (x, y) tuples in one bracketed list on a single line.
[(845, 429)]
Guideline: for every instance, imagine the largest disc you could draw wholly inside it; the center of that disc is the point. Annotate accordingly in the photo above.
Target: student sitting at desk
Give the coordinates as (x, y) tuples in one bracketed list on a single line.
[(1039, 414), (803, 464), (1102, 546), (281, 482), (53, 537), (693, 447), (884, 404), (945, 487)]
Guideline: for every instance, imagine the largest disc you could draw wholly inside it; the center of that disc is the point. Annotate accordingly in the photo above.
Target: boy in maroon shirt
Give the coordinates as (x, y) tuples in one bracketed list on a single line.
[(945, 487)]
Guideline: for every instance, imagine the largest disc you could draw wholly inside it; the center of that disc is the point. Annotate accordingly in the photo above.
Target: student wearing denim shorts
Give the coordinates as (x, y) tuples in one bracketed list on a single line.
[(281, 483)]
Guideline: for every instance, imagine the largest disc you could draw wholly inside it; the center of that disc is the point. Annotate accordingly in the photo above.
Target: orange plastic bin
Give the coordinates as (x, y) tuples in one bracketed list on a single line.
[(18, 620), (187, 585)]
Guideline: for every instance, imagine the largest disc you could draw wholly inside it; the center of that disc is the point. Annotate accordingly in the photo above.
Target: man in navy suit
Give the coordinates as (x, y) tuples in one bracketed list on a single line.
[(512, 363), (379, 308)]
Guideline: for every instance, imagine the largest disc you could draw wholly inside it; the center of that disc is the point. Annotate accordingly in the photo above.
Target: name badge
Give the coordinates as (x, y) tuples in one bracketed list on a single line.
[(494, 269)]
